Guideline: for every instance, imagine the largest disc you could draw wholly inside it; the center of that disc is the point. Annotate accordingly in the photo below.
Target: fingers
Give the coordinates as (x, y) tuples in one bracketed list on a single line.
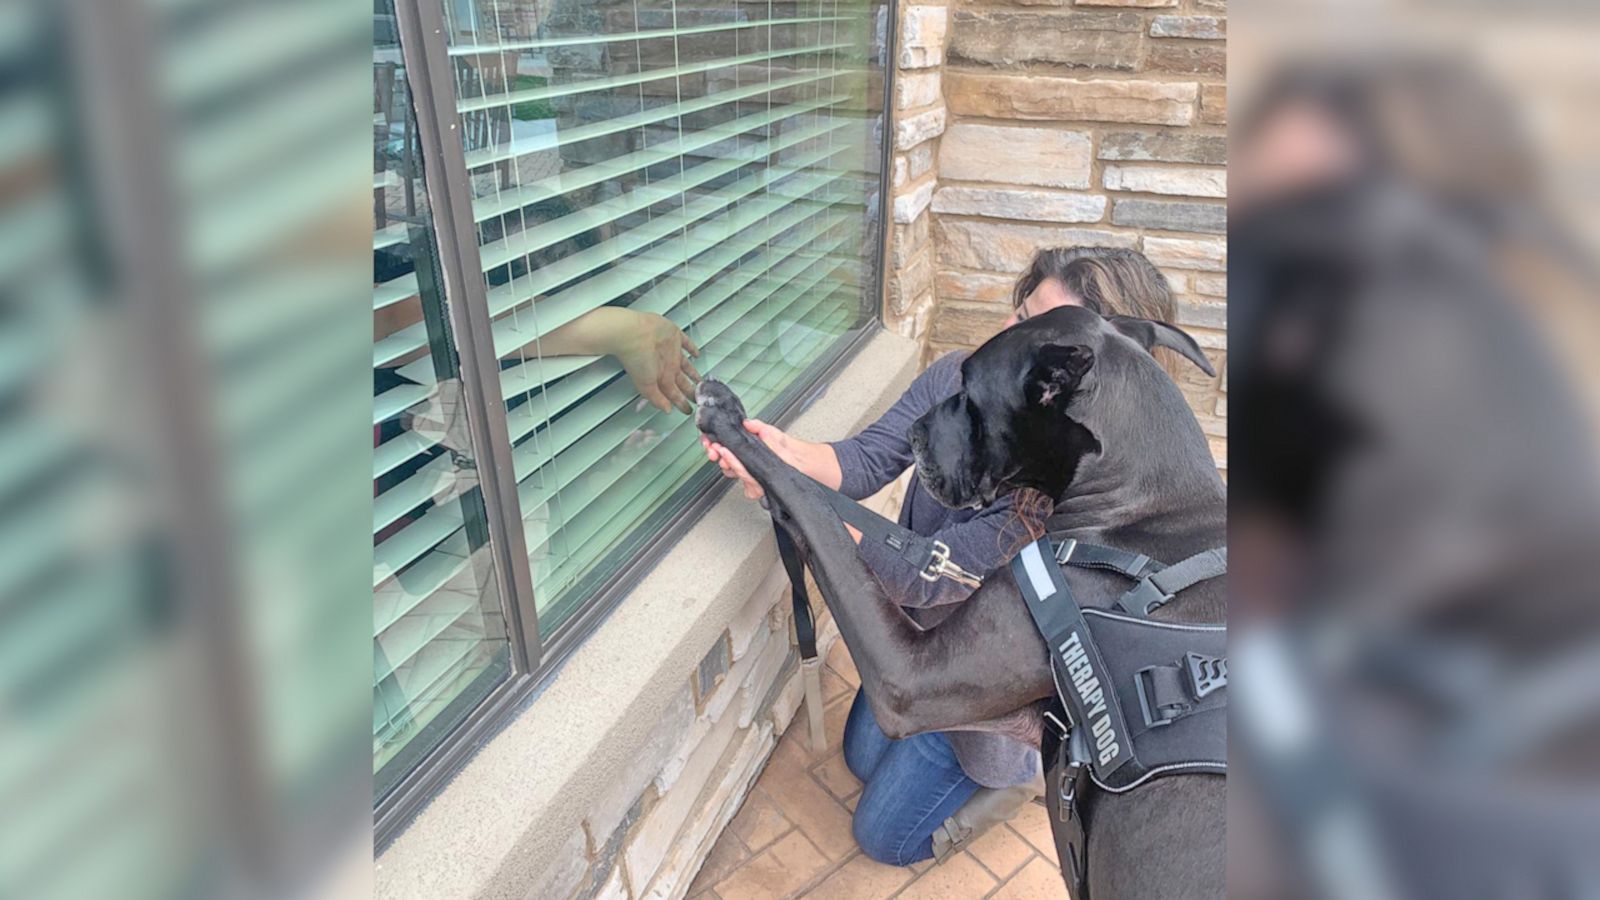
[(671, 391), (655, 397), (688, 367), (688, 345), (685, 385)]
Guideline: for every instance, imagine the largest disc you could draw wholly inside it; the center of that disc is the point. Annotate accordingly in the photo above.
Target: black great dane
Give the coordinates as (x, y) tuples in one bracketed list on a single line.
[(1072, 405)]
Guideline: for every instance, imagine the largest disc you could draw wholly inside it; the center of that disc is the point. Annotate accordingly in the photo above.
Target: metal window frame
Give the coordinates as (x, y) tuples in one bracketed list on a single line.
[(534, 661)]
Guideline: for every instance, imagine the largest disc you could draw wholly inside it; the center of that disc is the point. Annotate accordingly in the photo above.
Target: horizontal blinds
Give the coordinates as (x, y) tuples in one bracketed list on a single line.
[(652, 116), (709, 173)]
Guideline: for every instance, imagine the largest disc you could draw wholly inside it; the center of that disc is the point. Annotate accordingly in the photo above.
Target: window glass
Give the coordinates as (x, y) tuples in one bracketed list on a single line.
[(641, 169), (439, 634)]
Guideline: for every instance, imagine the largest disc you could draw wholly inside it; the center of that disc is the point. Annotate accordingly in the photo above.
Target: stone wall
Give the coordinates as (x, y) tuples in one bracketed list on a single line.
[(646, 839), (1045, 123)]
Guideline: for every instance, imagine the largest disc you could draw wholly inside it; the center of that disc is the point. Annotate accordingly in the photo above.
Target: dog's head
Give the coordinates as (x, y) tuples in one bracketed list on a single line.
[(1034, 399)]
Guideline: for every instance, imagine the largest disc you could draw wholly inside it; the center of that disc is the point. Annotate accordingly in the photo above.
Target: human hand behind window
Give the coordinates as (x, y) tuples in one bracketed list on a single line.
[(652, 351), (650, 348)]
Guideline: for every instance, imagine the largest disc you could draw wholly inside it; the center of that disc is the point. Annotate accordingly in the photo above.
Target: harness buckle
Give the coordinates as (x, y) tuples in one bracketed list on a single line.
[(1144, 597), (1067, 791), (1156, 716)]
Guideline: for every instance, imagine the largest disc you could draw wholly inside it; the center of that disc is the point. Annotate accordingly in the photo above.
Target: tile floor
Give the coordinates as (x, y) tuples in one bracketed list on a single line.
[(792, 836)]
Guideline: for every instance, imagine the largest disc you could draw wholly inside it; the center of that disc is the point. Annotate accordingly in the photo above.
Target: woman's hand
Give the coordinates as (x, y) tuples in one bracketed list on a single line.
[(816, 460), (775, 439), (651, 351)]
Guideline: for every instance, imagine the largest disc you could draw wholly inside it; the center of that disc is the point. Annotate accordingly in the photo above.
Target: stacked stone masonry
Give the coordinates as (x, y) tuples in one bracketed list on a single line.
[(648, 837), (1021, 124)]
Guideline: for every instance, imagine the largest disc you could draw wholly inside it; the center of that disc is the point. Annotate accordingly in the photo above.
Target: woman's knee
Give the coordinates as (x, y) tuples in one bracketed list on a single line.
[(864, 743), (879, 846)]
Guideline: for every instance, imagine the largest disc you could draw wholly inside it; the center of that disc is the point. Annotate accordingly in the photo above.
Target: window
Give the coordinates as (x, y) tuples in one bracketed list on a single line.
[(611, 167)]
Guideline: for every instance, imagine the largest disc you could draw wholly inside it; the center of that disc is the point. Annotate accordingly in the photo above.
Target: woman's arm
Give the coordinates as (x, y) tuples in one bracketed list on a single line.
[(979, 545), (861, 465)]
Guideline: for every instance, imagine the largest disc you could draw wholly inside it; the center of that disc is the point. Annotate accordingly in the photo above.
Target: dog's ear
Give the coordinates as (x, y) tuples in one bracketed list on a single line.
[(1150, 334), (1057, 371)]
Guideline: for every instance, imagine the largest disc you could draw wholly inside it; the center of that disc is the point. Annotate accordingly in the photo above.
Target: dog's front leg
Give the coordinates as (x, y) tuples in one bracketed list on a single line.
[(967, 670)]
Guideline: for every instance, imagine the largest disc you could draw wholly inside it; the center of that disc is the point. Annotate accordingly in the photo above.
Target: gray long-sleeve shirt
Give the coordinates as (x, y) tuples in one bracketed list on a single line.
[(1000, 752)]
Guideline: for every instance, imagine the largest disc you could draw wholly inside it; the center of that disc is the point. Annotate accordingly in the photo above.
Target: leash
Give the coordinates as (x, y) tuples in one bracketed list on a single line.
[(931, 559)]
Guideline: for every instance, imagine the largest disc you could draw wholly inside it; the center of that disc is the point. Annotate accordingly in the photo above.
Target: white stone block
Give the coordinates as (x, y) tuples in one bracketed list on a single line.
[(909, 205), (1046, 157), (913, 130), (1179, 181), (922, 32), (1027, 206)]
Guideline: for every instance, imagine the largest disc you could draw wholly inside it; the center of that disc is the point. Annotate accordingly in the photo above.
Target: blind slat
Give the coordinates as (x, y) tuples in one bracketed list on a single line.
[(391, 292), (568, 305), (397, 400), (390, 235), (632, 163), (418, 628), (551, 91), (437, 663), (406, 547), (585, 40)]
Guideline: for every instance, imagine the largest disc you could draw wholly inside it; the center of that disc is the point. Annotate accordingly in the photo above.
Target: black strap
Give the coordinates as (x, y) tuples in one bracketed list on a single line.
[(929, 557), (1070, 552), (1084, 681), (1071, 779), (1159, 586), (805, 626)]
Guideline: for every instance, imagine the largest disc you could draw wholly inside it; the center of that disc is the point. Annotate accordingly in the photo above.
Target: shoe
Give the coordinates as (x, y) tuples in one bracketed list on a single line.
[(986, 808)]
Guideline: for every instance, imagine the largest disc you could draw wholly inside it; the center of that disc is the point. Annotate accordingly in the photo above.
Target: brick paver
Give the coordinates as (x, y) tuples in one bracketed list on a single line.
[(792, 837)]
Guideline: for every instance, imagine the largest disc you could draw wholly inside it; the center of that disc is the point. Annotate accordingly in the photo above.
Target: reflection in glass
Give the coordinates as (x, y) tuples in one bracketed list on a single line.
[(439, 635)]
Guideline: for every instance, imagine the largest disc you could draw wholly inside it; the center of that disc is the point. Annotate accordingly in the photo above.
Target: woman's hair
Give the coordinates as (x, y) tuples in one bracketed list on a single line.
[(1109, 280)]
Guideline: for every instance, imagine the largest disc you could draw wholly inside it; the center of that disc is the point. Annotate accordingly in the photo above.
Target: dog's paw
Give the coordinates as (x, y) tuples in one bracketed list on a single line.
[(717, 406)]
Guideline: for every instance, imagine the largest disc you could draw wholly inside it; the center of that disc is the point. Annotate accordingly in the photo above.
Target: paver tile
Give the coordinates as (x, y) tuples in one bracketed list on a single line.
[(1038, 880), (861, 879), (960, 876), (779, 871), (759, 821), (1001, 851)]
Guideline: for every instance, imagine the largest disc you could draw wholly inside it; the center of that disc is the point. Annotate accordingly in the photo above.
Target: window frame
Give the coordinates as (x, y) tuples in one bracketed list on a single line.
[(534, 661)]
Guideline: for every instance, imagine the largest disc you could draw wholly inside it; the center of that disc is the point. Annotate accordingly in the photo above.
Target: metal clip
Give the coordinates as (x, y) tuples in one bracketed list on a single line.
[(939, 566), (1065, 550)]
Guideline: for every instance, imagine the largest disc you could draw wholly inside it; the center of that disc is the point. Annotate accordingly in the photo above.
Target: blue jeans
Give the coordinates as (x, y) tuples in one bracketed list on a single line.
[(911, 787)]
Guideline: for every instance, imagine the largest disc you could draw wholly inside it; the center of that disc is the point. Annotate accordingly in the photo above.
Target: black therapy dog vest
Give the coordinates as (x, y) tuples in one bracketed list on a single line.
[(1141, 698)]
